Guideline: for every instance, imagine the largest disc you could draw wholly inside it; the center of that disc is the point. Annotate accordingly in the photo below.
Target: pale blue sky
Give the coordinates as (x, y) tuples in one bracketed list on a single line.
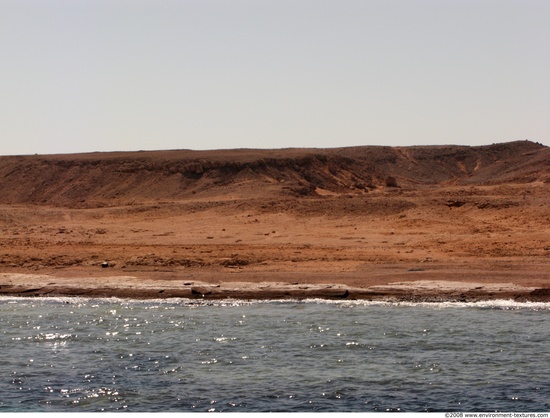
[(102, 75)]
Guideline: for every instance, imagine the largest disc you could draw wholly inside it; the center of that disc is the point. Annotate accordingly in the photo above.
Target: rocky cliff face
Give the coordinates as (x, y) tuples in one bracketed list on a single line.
[(100, 179)]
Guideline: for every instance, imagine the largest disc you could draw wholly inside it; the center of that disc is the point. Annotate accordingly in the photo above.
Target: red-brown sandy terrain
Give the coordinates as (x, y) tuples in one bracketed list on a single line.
[(403, 223)]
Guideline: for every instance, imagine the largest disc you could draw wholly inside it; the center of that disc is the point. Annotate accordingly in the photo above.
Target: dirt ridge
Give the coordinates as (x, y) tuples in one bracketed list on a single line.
[(100, 179)]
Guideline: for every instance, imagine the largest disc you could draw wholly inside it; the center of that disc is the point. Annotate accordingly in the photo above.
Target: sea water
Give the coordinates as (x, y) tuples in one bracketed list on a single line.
[(76, 355)]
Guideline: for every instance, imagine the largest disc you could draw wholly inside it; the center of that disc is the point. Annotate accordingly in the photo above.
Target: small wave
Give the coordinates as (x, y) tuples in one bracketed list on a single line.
[(54, 336), (504, 304)]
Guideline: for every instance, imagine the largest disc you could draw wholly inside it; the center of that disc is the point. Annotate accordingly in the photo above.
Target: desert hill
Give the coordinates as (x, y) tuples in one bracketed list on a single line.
[(290, 222), (106, 179)]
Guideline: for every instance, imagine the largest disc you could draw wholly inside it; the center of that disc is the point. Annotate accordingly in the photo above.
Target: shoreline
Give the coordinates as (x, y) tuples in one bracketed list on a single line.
[(420, 289)]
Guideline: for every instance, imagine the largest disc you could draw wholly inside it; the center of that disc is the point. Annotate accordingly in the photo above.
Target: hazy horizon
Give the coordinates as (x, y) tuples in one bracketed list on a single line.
[(128, 75), (266, 149)]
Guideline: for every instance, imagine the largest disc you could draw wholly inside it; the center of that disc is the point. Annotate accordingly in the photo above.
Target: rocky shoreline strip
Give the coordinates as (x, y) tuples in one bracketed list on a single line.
[(128, 287)]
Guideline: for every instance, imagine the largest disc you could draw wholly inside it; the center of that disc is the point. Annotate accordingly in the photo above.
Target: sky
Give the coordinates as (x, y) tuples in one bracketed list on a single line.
[(124, 75)]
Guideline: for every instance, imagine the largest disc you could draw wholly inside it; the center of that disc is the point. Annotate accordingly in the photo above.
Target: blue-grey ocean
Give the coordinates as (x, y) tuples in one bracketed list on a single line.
[(77, 355)]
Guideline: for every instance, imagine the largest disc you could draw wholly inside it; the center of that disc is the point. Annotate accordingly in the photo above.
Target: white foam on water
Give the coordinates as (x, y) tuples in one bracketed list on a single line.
[(488, 304), (504, 304)]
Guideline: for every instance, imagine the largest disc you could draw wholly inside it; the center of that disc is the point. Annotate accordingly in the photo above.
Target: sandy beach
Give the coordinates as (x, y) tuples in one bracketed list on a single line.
[(375, 223)]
